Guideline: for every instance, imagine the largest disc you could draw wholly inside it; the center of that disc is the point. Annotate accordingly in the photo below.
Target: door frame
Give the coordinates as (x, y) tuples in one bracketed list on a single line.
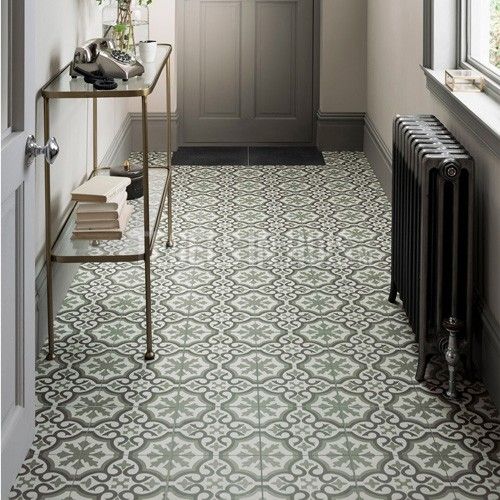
[(179, 43)]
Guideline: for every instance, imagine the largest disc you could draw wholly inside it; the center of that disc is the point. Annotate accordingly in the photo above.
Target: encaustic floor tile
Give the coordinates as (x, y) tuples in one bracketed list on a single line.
[(282, 371)]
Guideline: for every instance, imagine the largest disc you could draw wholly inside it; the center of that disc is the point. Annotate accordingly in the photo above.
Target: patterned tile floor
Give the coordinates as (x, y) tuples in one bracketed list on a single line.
[(282, 370)]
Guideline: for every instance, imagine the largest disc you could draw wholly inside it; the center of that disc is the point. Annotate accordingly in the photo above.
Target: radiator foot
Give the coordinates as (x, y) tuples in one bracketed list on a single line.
[(452, 326), (393, 293)]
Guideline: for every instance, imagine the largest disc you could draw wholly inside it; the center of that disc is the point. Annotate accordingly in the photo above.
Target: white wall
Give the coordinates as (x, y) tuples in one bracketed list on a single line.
[(343, 56), (396, 84), (61, 26)]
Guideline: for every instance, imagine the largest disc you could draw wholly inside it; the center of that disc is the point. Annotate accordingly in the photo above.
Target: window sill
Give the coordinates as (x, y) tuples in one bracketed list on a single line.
[(478, 111)]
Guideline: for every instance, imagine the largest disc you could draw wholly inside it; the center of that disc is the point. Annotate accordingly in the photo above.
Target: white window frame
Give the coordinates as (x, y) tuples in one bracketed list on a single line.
[(465, 59), (444, 22)]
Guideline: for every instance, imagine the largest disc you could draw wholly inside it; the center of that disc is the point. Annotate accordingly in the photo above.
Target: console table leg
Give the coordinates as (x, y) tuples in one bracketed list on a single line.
[(94, 134), (170, 239), (48, 237), (170, 236), (149, 355)]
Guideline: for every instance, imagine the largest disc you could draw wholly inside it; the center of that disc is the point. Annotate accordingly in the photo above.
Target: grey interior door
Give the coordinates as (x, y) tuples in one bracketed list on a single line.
[(248, 67), (18, 235)]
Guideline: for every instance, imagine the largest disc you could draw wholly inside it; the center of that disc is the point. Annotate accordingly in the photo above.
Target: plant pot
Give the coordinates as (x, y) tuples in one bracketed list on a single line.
[(147, 51)]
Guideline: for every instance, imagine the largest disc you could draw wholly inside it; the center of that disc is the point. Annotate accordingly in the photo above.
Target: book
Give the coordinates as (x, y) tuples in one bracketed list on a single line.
[(97, 224), (91, 216), (115, 203), (105, 234), (101, 188), (102, 215)]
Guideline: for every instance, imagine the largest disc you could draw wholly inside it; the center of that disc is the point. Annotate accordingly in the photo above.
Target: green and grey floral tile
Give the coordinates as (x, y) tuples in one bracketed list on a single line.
[(282, 371)]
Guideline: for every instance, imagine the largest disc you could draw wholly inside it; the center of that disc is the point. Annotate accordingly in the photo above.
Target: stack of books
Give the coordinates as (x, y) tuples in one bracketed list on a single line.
[(102, 212)]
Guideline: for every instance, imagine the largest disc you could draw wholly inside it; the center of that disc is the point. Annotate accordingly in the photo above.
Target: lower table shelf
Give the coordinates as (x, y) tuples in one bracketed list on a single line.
[(131, 246)]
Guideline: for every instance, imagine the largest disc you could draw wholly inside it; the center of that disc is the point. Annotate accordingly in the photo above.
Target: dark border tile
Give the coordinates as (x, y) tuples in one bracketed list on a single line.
[(210, 156), (285, 156)]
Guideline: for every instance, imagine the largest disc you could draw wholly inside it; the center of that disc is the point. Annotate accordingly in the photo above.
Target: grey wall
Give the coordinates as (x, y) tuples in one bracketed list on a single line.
[(343, 56), (396, 84), (342, 80)]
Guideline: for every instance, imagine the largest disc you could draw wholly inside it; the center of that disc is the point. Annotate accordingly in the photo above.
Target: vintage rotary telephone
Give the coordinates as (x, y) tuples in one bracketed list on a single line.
[(99, 61)]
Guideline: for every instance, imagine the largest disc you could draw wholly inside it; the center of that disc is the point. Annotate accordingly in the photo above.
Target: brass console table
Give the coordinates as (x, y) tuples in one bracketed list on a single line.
[(136, 245)]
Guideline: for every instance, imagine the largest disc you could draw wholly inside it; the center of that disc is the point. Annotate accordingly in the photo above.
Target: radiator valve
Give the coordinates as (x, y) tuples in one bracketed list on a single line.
[(453, 326)]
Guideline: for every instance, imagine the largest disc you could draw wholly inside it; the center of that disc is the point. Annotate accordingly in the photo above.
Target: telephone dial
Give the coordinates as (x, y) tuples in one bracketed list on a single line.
[(98, 60)]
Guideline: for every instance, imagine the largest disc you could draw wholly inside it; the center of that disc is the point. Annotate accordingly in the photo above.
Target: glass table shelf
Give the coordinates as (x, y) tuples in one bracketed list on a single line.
[(63, 86), (131, 246)]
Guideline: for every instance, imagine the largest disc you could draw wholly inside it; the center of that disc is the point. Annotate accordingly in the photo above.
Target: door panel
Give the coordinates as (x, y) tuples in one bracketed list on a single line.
[(275, 59), (220, 64), (13, 304), (247, 71)]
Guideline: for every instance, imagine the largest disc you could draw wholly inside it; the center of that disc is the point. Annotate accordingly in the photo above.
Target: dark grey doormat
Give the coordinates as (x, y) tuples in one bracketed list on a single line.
[(210, 156), (285, 156), (247, 156)]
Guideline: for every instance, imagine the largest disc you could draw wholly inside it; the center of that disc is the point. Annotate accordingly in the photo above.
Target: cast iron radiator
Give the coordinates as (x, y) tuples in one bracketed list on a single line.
[(432, 239)]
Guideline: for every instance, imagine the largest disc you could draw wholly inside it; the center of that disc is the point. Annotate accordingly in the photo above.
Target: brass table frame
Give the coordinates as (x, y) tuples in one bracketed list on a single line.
[(149, 239)]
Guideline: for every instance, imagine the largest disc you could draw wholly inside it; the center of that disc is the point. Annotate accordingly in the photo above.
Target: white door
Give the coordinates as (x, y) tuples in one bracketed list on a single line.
[(17, 237)]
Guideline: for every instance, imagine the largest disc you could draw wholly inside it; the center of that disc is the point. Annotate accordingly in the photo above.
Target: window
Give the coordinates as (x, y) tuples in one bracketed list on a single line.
[(465, 33), (481, 34)]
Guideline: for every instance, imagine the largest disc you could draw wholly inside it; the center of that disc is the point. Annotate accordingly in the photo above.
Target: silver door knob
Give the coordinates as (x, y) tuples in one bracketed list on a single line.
[(50, 150)]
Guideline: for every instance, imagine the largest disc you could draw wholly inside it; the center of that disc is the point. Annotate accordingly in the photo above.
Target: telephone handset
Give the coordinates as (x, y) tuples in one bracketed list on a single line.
[(100, 57)]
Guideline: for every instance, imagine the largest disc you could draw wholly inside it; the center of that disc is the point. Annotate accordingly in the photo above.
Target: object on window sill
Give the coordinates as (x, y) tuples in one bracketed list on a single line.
[(464, 80)]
